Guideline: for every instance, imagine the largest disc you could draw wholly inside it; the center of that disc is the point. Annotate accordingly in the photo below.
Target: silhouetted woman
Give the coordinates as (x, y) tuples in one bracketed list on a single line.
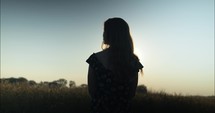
[(113, 72)]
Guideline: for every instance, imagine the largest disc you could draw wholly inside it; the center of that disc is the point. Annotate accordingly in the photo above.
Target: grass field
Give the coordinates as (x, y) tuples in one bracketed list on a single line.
[(28, 99)]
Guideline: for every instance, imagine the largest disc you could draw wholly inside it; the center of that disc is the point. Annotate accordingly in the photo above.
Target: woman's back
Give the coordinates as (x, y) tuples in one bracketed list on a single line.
[(113, 72), (109, 93)]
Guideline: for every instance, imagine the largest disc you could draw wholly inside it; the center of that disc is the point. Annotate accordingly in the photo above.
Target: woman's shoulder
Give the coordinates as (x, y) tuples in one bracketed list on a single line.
[(98, 57), (102, 53), (135, 62), (102, 57)]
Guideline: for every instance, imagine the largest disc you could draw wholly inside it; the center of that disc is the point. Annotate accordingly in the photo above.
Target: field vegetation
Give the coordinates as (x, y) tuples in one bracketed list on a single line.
[(25, 98)]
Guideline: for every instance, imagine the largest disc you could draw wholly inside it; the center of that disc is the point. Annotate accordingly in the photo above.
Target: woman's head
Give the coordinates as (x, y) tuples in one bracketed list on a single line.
[(117, 35), (119, 43)]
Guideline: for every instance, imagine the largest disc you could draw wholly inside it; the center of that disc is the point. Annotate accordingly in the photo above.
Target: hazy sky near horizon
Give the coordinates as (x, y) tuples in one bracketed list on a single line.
[(44, 40)]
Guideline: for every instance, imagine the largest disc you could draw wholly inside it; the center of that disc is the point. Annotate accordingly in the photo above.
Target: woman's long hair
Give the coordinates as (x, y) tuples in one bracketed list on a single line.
[(119, 42)]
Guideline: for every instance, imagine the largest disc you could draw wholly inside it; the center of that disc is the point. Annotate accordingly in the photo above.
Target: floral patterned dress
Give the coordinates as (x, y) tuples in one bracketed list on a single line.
[(111, 95)]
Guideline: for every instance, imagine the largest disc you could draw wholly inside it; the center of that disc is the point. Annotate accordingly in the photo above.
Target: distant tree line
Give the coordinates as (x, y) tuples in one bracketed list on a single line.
[(54, 84), (60, 83)]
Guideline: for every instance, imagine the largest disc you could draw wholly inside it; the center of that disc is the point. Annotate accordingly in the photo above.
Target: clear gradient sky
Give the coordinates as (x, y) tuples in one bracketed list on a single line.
[(44, 40)]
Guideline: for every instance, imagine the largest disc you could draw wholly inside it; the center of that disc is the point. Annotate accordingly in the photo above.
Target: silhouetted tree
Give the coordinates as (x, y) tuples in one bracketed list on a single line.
[(10, 80), (54, 85), (20, 80), (83, 85), (43, 84), (32, 83), (62, 82), (72, 84)]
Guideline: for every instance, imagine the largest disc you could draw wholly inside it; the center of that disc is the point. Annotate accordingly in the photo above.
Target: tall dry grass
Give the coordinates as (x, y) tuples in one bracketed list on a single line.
[(38, 99)]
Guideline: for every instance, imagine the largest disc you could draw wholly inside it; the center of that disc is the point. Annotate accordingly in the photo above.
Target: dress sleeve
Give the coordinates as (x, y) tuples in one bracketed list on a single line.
[(134, 79), (91, 59), (91, 77), (137, 65), (96, 76)]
